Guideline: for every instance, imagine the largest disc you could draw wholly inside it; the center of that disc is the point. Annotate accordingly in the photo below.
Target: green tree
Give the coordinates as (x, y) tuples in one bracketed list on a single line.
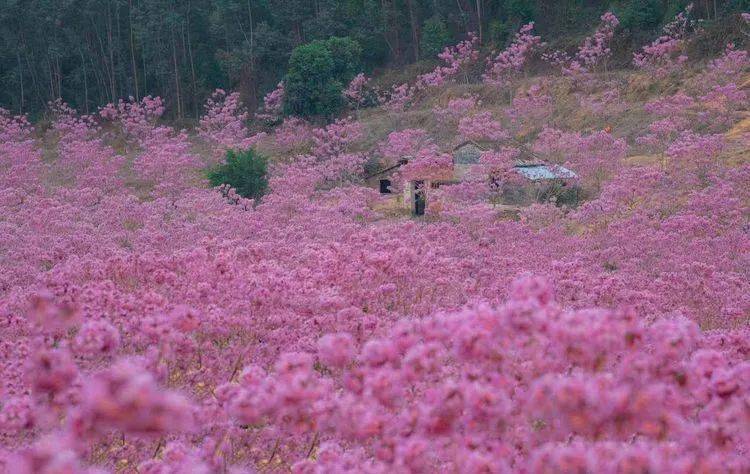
[(435, 37), (317, 73), (641, 14), (243, 170)]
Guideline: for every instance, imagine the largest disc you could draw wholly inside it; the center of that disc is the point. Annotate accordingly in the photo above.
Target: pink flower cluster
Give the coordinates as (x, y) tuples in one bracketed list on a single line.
[(356, 91), (273, 104), (456, 108), (482, 126), (665, 54), (293, 133), (534, 106), (593, 51), (593, 157), (456, 58), (501, 68), (224, 124), (595, 48), (404, 143), (732, 62), (149, 323), (428, 164), (336, 137)]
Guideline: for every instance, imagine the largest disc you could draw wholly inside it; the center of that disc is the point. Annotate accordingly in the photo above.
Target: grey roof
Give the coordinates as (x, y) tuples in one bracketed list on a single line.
[(467, 153), (538, 172)]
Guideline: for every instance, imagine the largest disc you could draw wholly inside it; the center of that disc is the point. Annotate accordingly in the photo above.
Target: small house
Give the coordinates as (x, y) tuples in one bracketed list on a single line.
[(465, 155), (539, 182), (382, 179)]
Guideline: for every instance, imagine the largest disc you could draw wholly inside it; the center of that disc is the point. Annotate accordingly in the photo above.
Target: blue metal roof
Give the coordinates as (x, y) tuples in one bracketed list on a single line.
[(539, 172)]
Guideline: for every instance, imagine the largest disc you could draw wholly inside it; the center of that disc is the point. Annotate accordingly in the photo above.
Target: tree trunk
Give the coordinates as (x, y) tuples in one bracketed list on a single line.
[(85, 83), (132, 49), (110, 47), (176, 76), (413, 20), (20, 81), (192, 63), (479, 19)]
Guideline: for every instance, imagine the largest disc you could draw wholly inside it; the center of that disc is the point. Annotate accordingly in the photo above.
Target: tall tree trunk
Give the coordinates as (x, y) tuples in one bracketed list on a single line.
[(85, 83), (132, 49), (51, 93), (389, 24), (192, 63), (20, 80), (110, 47), (414, 22), (176, 76), (479, 19), (34, 80), (59, 76)]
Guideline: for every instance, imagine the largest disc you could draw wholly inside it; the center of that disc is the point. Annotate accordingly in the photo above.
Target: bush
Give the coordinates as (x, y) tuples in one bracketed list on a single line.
[(245, 171), (317, 73)]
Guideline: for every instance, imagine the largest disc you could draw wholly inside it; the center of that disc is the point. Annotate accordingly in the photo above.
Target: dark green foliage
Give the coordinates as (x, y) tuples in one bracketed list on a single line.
[(92, 51), (521, 11), (318, 72), (245, 171), (347, 57), (641, 14), (435, 37)]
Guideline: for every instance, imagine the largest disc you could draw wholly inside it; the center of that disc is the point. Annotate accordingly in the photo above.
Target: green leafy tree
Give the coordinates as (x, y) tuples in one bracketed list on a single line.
[(435, 37), (641, 14), (243, 170), (318, 72)]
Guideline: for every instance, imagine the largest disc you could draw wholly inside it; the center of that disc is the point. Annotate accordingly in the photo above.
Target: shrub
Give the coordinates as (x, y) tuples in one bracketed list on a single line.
[(317, 74), (245, 171)]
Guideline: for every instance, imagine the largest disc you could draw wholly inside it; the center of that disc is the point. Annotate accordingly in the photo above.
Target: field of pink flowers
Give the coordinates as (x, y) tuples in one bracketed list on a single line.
[(150, 324)]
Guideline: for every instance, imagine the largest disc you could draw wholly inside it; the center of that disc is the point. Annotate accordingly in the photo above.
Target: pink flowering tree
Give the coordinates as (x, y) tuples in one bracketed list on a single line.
[(666, 53), (404, 143), (455, 109), (336, 137), (502, 68), (729, 65), (595, 49), (359, 92), (591, 54), (482, 126), (593, 157), (223, 126), (294, 133), (164, 162), (531, 108), (722, 105), (673, 114), (20, 158), (428, 164), (454, 60), (273, 104)]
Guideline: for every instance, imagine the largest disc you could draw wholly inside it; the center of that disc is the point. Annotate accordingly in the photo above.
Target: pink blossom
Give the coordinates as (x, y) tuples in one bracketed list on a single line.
[(502, 67), (482, 126), (97, 338)]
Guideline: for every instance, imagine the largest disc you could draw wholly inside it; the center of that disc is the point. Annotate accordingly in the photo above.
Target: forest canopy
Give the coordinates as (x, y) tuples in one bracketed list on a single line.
[(93, 52)]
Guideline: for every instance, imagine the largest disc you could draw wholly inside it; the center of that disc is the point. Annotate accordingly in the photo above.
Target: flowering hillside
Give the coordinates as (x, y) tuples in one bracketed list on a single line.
[(151, 324)]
